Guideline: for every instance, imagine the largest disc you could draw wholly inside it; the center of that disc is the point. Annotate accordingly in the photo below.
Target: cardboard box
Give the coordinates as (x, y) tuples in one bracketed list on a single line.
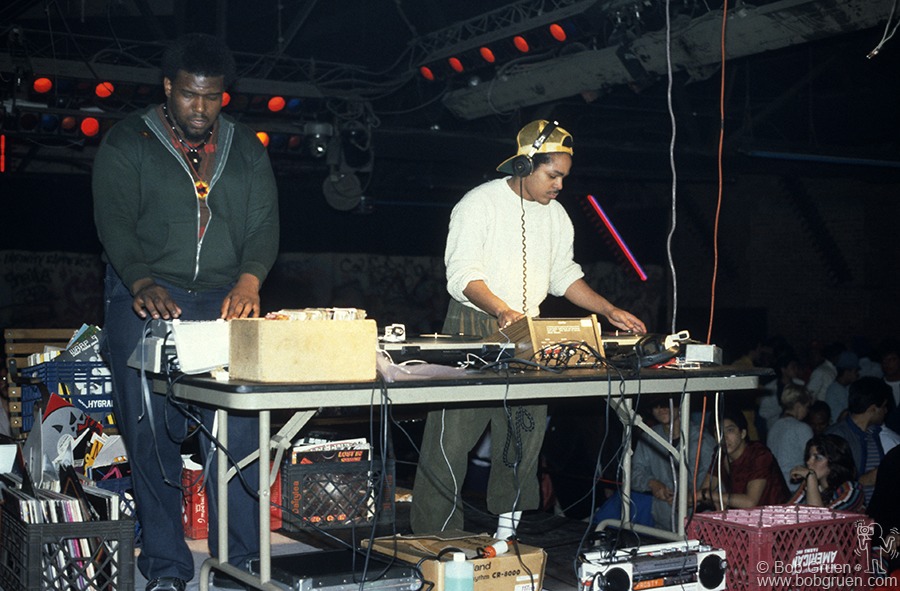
[(501, 573), (302, 350)]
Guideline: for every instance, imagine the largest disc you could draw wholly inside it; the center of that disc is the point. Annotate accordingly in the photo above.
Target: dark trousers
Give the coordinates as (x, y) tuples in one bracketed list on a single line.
[(153, 431)]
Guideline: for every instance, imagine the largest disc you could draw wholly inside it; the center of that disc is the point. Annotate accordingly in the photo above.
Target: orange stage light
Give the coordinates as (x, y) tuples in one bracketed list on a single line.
[(90, 126), (263, 137), (521, 44), (104, 89), (276, 103), (557, 32), (42, 85)]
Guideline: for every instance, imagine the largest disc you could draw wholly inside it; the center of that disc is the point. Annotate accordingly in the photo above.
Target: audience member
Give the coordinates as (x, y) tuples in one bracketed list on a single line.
[(751, 474), (787, 371), (889, 353), (837, 393), (828, 477), (789, 434), (653, 467), (885, 509), (863, 429), (824, 373), (763, 354), (819, 417), (868, 364)]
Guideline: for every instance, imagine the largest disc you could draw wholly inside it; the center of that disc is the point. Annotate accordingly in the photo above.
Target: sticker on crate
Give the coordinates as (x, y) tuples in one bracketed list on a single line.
[(314, 451), (61, 431), (337, 494), (87, 385)]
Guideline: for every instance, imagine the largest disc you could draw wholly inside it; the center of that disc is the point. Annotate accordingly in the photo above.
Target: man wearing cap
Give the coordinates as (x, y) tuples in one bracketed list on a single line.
[(838, 392), (510, 244)]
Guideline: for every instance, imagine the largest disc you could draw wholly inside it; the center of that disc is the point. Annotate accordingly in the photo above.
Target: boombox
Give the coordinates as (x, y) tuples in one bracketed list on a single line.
[(686, 566)]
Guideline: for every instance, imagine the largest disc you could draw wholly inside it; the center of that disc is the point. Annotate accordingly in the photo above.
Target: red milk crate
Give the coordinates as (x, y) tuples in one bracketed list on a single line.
[(790, 547), (195, 514)]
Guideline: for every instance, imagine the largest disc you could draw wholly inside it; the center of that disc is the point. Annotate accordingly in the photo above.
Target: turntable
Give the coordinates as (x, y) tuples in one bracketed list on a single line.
[(444, 349)]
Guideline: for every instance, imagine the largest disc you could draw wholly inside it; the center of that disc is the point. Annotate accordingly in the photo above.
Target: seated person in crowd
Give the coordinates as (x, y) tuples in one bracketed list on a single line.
[(828, 478), (787, 371), (819, 417), (863, 429), (838, 391), (885, 510), (889, 355), (652, 467), (789, 434), (750, 474)]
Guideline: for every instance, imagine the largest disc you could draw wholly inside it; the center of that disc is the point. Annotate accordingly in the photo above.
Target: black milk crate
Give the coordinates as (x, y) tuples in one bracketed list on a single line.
[(47, 556), (89, 384), (333, 494)]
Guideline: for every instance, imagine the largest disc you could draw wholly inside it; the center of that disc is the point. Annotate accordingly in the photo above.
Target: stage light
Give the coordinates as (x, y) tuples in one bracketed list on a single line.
[(278, 142), (263, 137), (49, 122), (238, 102), (226, 98), (69, 124), (427, 74), (521, 44), (42, 85), (455, 64), (319, 134), (557, 32), (294, 142), (293, 105), (487, 55), (28, 121), (90, 127), (276, 103), (258, 103), (104, 89), (343, 191)]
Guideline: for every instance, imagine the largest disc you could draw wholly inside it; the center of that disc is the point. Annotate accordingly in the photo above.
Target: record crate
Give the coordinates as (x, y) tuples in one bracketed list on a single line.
[(92, 378), (48, 556), (789, 547), (335, 494)]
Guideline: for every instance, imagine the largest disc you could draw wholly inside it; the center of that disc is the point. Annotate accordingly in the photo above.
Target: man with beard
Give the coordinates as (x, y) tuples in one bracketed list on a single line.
[(186, 208)]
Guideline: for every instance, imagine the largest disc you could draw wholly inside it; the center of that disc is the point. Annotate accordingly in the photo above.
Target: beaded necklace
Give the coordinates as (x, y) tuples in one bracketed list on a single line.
[(193, 152)]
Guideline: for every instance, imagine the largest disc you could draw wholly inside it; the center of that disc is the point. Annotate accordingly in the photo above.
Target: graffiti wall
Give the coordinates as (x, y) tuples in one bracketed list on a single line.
[(57, 289), (50, 289)]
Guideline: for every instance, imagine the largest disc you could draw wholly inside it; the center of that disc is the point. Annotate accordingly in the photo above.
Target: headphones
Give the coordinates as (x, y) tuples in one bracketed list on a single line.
[(522, 165), (651, 350)]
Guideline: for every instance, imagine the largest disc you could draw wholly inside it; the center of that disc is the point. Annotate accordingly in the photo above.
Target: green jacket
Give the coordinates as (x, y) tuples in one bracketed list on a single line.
[(147, 215)]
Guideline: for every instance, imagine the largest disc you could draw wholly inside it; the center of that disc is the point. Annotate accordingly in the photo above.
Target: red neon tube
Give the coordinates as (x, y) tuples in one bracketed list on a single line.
[(615, 234)]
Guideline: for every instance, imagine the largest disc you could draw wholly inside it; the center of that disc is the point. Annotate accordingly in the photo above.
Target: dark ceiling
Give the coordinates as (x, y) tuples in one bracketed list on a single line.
[(798, 84)]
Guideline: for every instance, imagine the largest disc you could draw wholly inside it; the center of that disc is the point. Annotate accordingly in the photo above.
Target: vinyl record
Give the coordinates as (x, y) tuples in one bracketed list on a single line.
[(456, 338)]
